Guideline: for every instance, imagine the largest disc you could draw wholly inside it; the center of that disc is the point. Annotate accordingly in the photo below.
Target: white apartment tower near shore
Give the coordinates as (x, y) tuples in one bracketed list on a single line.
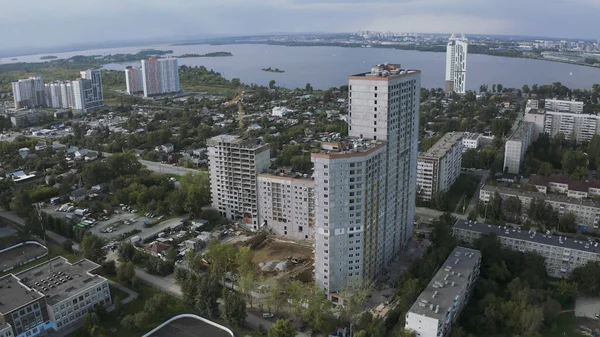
[(160, 76), (29, 93), (456, 65), (365, 185), (234, 163), (134, 80)]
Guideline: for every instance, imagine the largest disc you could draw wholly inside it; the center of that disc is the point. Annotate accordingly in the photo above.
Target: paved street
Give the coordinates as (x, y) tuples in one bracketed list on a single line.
[(484, 177), (160, 167)]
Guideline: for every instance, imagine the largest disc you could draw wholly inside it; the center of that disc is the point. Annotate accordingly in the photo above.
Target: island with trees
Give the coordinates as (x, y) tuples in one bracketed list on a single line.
[(48, 57), (214, 54), (273, 70)]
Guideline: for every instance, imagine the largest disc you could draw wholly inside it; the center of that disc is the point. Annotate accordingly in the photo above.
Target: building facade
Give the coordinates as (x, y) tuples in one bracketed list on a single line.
[(286, 204), (581, 127), (563, 106), (160, 76), (516, 147), (234, 163), (134, 80), (438, 168), (383, 107), (53, 95), (29, 93), (586, 211), (94, 99), (561, 254), (456, 65), (470, 141), (446, 295)]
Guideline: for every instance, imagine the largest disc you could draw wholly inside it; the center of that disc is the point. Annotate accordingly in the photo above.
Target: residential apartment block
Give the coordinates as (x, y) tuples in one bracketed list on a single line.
[(535, 116), (456, 65), (160, 76), (561, 254), (446, 295), (134, 80), (51, 296), (581, 127), (234, 163), (586, 211), (438, 168), (286, 203), (565, 185), (563, 106), (94, 98), (29, 93), (516, 147), (365, 185)]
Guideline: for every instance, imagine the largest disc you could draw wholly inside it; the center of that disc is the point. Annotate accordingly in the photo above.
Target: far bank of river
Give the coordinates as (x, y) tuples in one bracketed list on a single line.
[(324, 67)]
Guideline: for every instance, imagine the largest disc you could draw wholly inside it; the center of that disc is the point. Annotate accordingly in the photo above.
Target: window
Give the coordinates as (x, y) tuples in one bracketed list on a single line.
[(375, 87), (325, 166), (375, 109)]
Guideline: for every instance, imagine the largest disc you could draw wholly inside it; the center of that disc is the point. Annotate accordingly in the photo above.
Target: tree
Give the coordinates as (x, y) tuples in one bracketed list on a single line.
[(272, 84), (587, 278), (222, 257), (157, 306), (195, 188), (234, 309), (567, 222), (127, 251), (91, 247), (499, 87), (126, 272), (493, 88), (565, 292), (355, 296), (308, 87), (513, 206), (282, 328), (206, 294), (109, 267), (525, 89), (545, 169), (67, 246)]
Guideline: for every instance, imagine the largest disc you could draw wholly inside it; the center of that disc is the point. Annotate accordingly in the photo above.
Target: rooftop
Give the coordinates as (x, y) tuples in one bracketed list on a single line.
[(440, 293), (471, 135), (442, 146), (582, 243), (522, 129), (575, 185), (539, 195), (287, 173), (386, 71), (189, 326), (349, 146), (235, 140), (14, 294), (58, 279)]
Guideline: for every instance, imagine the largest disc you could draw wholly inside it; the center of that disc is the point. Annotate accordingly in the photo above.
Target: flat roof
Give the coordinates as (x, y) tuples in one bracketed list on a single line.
[(385, 72), (190, 326), (581, 242), (235, 140), (440, 293), (539, 195), (442, 146), (348, 147), (522, 129), (58, 279), (471, 135), (18, 255), (14, 294)]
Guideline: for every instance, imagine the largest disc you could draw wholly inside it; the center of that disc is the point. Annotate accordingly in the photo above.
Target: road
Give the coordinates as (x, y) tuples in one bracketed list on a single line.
[(160, 167), (485, 174)]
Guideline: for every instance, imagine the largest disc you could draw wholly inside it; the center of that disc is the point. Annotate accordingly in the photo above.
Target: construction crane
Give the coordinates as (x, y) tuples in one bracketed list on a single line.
[(238, 99)]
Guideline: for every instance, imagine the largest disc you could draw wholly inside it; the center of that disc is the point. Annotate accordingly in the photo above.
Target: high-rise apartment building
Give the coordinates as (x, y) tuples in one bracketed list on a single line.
[(365, 186), (66, 93), (29, 93), (134, 80), (516, 147), (456, 65), (286, 203), (160, 76), (95, 97), (53, 95), (438, 168), (446, 295), (234, 164)]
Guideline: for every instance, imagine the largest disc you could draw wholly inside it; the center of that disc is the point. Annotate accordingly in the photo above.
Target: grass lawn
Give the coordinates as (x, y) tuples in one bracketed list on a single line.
[(53, 251), (564, 324), (116, 292)]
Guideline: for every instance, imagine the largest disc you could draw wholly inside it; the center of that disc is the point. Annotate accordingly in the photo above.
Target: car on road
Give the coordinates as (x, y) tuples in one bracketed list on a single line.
[(267, 315)]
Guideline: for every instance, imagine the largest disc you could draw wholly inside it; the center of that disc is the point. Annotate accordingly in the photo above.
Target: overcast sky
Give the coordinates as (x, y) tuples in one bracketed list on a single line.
[(41, 23)]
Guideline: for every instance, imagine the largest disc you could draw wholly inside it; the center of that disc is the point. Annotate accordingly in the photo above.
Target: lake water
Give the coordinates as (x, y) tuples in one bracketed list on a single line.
[(324, 67)]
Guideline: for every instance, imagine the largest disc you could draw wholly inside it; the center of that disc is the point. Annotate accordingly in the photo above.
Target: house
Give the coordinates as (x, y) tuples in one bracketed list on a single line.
[(158, 247), (40, 146), (198, 223), (79, 194), (166, 148), (80, 154), (254, 127), (58, 146), (24, 152), (71, 151), (199, 152), (91, 155), (18, 176), (99, 188), (280, 111)]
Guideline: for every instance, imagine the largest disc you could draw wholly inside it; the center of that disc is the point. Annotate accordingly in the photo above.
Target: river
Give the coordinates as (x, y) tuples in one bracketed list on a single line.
[(324, 67)]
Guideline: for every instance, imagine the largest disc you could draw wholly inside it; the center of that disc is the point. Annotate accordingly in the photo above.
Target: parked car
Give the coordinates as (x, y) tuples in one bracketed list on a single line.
[(267, 315)]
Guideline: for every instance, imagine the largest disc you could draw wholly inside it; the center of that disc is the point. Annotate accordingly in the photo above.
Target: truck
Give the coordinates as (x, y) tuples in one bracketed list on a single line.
[(55, 201), (135, 240), (81, 212), (147, 223)]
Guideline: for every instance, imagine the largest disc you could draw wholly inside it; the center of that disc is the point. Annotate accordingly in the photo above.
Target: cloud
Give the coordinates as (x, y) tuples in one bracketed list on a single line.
[(44, 22)]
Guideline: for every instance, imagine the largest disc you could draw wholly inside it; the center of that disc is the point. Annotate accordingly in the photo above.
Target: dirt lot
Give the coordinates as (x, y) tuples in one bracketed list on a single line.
[(19, 255), (271, 250)]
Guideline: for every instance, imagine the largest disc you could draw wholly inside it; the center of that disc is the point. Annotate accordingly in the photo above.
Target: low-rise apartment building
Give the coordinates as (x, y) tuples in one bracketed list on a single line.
[(586, 211), (563, 184), (286, 203), (561, 254), (438, 168), (516, 146), (234, 163), (442, 301), (470, 140)]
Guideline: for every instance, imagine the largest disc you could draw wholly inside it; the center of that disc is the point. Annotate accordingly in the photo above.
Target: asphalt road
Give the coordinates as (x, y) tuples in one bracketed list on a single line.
[(160, 167), (484, 177)]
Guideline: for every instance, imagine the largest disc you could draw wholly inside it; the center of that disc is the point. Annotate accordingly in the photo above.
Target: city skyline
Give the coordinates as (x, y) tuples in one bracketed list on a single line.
[(179, 18)]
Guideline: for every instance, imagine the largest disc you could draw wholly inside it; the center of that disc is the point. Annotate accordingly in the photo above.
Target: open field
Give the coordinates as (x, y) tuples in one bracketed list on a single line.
[(18, 256)]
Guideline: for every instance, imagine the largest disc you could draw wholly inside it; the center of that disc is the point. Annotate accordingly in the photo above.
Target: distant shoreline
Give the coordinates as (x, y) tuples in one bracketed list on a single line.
[(273, 70), (214, 54)]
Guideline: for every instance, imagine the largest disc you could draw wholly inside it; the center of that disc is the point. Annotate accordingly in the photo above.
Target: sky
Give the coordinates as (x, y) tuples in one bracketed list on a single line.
[(44, 23)]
